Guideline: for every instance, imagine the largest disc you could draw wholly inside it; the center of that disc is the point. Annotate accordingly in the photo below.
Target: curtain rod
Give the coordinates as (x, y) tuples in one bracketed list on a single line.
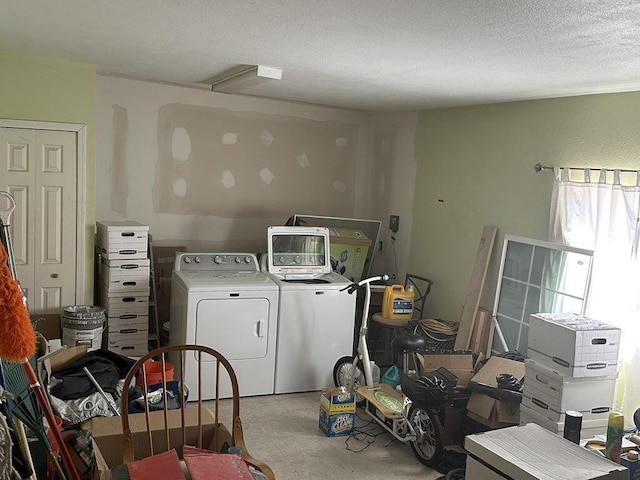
[(538, 167)]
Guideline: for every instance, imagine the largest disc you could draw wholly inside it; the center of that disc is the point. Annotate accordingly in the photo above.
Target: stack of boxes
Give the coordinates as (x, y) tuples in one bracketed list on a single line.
[(123, 282), (573, 365)]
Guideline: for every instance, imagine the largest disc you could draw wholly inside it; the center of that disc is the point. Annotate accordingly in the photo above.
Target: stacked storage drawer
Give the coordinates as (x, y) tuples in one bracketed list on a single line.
[(573, 365), (124, 285)]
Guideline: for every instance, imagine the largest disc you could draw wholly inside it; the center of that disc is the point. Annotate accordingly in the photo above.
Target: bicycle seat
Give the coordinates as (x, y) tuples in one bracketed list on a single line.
[(404, 341)]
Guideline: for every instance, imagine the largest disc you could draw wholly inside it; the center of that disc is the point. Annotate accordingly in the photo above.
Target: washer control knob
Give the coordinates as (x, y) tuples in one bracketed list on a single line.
[(297, 259), (197, 259), (247, 259), (238, 259), (217, 259), (281, 259), (187, 259)]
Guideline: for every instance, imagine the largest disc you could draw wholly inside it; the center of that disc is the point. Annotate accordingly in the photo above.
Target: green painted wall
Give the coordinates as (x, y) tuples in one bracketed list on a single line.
[(475, 168), (53, 90)]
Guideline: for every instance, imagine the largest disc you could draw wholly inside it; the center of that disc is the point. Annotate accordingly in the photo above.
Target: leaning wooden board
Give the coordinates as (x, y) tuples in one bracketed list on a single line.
[(478, 276)]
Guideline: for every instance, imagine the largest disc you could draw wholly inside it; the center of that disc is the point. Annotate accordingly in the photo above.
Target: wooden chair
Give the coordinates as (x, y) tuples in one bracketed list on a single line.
[(213, 434)]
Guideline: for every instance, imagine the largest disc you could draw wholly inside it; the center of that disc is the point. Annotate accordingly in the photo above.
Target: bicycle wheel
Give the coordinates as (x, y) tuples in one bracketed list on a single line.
[(342, 376), (428, 447)]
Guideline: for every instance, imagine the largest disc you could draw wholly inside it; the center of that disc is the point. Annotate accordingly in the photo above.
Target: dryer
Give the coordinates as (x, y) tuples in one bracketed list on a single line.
[(224, 301), (315, 314)]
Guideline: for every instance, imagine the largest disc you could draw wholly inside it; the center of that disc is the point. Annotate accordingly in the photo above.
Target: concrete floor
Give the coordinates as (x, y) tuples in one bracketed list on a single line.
[(282, 430)]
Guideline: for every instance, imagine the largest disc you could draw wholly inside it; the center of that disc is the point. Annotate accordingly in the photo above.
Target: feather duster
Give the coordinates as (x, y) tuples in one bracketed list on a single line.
[(17, 336)]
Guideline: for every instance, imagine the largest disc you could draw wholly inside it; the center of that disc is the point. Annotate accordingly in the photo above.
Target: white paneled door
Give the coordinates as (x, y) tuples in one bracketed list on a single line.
[(39, 169)]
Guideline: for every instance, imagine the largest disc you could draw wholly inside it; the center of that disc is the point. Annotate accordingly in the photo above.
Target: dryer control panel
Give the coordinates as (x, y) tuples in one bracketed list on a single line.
[(216, 262)]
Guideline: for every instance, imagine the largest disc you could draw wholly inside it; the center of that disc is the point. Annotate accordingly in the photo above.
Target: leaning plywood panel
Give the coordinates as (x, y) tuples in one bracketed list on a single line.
[(478, 276)]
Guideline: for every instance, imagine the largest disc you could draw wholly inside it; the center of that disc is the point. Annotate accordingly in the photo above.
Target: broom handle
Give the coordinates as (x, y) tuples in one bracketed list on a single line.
[(48, 413)]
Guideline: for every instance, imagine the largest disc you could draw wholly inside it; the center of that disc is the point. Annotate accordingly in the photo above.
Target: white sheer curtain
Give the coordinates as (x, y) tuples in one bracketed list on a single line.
[(604, 215)]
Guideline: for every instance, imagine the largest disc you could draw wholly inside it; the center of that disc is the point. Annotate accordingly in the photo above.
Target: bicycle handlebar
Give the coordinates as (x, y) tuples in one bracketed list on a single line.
[(354, 286)]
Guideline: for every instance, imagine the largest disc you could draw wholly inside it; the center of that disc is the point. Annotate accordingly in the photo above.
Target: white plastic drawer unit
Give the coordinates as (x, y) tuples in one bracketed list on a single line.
[(573, 344), (122, 239)]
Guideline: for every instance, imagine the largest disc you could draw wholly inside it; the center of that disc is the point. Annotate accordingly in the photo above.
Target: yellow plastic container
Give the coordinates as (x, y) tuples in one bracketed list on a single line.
[(397, 303)]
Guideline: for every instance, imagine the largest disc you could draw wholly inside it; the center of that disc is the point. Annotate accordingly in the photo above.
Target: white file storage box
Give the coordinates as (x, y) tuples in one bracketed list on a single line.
[(130, 275), (121, 304), (574, 344), (551, 393), (532, 452), (128, 326), (119, 240), (589, 428)]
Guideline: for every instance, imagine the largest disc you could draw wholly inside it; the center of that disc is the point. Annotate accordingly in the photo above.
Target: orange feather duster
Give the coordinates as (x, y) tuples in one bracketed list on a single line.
[(17, 337)]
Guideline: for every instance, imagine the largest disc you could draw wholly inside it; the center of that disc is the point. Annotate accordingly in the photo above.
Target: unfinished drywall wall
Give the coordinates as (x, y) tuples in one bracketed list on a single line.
[(211, 171), (475, 168), (213, 161)]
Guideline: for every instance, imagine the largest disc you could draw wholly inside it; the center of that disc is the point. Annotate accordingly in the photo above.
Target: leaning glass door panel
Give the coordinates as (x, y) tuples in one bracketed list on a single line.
[(536, 277)]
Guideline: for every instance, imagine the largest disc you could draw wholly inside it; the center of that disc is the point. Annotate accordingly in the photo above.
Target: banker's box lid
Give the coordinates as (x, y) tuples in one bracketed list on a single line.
[(531, 452)]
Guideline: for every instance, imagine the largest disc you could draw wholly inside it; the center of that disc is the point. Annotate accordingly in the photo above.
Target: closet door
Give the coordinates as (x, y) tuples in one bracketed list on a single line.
[(40, 172)]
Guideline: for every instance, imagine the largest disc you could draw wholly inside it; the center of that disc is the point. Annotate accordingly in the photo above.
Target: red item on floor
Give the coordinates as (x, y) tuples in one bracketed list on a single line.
[(205, 464), (165, 466)]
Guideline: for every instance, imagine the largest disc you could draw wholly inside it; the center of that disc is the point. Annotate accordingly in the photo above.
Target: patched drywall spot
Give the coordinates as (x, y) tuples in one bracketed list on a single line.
[(180, 144), (339, 186), (342, 142), (303, 160), (180, 187), (229, 138), (266, 138), (119, 177), (227, 179), (267, 176), (232, 174)]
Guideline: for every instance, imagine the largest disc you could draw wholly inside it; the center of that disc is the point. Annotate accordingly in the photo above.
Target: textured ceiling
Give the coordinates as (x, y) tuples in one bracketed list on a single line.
[(384, 55)]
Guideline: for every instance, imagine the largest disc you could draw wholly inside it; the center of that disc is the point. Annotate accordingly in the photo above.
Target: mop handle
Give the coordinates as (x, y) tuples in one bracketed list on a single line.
[(48, 413), (5, 215)]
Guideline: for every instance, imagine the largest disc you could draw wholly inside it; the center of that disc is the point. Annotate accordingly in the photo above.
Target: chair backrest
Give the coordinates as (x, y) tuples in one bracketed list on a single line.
[(175, 426), (421, 286)]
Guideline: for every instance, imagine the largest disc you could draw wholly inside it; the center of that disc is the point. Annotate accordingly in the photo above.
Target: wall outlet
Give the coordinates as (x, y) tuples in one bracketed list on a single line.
[(394, 223)]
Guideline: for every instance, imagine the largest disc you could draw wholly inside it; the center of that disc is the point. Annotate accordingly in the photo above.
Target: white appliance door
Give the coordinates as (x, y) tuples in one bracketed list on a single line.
[(315, 329), (237, 328)]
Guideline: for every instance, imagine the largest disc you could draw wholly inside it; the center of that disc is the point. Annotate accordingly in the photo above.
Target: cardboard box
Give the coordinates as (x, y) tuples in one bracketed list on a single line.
[(574, 344), (349, 248), (531, 452), (481, 328), (462, 365), (337, 412), (588, 428), (48, 324), (108, 436), (551, 394), (490, 411)]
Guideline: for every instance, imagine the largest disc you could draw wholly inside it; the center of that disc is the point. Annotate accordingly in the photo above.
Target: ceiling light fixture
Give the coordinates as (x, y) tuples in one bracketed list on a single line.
[(243, 77)]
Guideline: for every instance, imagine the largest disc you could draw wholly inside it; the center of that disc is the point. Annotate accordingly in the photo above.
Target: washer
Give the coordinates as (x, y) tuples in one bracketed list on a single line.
[(315, 316), (224, 301)]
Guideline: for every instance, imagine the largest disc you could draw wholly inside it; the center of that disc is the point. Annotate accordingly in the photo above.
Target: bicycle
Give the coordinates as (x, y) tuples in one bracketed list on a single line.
[(411, 416)]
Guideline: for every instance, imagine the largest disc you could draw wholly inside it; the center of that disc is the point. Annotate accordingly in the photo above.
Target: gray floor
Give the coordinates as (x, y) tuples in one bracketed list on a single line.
[(282, 430)]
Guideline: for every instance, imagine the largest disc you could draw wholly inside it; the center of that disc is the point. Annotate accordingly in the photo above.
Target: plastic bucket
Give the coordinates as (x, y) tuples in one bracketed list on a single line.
[(153, 371), (164, 337), (83, 325)]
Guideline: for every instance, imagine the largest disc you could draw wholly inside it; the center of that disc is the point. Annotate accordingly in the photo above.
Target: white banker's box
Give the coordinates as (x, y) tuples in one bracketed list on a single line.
[(573, 344), (530, 452), (550, 393)]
